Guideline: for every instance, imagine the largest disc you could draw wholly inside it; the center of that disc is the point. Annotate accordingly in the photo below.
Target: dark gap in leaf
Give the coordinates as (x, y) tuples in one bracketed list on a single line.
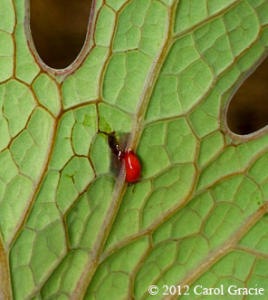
[(248, 109), (59, 29)]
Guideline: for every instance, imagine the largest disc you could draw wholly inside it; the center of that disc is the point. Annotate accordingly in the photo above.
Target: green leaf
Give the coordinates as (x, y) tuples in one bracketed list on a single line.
[(160, 74)]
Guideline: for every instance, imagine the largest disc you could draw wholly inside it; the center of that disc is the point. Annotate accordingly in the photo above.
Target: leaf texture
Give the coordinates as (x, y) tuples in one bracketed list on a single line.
[(160, 72)]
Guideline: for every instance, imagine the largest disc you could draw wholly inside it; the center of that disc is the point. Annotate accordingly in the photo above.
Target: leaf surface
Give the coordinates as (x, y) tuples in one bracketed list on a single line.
[(161, 74)]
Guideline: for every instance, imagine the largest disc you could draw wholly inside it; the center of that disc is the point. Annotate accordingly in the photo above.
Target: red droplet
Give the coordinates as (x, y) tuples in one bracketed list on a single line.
[(132, 165)]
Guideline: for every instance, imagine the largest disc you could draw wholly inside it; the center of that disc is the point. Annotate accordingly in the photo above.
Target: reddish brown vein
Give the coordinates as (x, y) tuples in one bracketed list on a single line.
[(5, 284), (220, 252), (120, 187)]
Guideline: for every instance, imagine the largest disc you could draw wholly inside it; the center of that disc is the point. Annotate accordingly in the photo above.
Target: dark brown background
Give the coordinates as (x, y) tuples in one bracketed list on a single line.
[(59, 28)]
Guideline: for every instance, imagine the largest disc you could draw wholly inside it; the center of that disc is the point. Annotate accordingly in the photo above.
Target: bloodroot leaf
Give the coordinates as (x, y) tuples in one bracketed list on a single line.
[(161, 73)]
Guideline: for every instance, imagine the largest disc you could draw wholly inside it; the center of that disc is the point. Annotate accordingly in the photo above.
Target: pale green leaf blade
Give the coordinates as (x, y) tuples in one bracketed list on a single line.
[(160, 74)]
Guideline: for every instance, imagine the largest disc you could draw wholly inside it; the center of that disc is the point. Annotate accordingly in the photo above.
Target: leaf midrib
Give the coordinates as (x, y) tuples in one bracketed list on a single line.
[(120, 187), (5, 279)]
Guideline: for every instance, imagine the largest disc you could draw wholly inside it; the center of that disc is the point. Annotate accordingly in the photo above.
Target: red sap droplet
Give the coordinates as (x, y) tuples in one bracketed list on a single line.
[(132, 165)]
